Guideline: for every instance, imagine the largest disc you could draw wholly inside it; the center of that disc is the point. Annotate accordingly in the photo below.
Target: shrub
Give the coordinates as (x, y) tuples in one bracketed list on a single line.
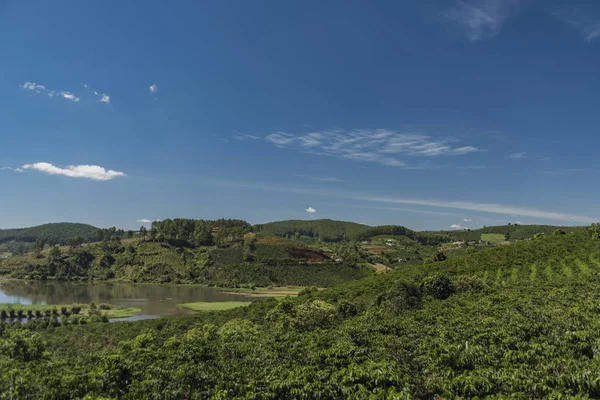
[(3, 314), (347, 309), (104, 306), (438, 286), (315, 314), (468, 283), (403, 296), (307, 291), (75, 309)]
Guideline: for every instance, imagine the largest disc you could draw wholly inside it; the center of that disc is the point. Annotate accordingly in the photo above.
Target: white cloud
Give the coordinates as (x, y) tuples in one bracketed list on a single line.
[(94, 172), (153, 88), (586, 21), (32, 86), (69, 96), (321, 179), (481, 18), (380, 146), (12, 169), (51, 93), (145, 221), (467, 220), (311, 210), (518, 155), (105, 99), (458, 227)]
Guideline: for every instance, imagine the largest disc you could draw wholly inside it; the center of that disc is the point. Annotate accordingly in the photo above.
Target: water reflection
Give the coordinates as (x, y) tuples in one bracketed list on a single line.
[(153, 299)]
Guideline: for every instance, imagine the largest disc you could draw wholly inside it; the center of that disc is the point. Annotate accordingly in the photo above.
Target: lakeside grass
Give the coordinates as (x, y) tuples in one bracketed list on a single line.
[(214, 306), (280, 291), (114, 312)]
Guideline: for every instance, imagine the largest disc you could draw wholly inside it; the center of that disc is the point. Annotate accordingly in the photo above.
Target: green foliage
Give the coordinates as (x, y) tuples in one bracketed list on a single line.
[(402, 296), (307, 291), (55, 233), (438, 286), (530, 335), (316, 314)]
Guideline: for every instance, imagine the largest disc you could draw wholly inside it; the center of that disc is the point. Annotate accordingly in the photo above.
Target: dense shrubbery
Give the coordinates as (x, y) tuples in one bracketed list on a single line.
[(517, 321)]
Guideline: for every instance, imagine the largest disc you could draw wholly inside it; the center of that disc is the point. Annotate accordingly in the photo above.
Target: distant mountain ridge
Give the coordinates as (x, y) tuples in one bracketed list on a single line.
[(53, 232)]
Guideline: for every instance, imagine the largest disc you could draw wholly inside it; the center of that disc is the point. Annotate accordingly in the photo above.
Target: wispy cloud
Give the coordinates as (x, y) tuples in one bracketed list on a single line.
[(380, 146), (585, 20), (481, 18), (153, 88), (32, 86), (244, 136), (311, 210), (321, 179), (93, 172), (458, 227), (12, 169), (41, 89), (488, 208), (470, 167), (467, 220), (491, 208), (517, 155)]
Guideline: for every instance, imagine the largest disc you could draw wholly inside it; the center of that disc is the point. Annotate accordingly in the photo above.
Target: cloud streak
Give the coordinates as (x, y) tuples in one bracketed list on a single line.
[(93, 172), (380, 146), (518, 155), (586, 21), (491, 208), (41, 89), (481, 18), (145, 221)]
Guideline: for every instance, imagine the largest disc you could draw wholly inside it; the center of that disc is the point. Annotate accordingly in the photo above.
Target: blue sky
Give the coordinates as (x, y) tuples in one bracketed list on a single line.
[(425, 114)]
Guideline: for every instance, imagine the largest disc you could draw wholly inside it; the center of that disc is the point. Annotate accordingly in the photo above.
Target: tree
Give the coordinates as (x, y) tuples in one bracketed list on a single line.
[(594, 230), (559, 232), (143, 232), (440, 256), (75, 242)]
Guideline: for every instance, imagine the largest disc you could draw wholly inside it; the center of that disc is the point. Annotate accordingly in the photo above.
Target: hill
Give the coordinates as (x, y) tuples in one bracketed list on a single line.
[(257, 261), (517, 321), (53, 232), (326, 230), (514, 232)]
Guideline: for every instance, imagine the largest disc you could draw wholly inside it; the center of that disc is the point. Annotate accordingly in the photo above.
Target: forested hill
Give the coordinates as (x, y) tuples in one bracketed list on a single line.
[(326, 230), (514, 231), (53, 232)]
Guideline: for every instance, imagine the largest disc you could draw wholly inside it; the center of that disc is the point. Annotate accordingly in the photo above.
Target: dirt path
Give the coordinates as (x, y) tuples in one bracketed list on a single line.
[(381, 267)]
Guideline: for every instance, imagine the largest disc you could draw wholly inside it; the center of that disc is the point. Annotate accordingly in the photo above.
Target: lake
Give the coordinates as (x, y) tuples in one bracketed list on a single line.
[(153, 299)]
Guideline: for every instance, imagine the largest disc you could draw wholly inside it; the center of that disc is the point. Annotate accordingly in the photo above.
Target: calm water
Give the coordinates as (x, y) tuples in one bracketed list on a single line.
[(154, 300)]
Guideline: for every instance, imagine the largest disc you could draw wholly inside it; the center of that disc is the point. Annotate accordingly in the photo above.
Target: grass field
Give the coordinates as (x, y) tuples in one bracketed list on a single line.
[(492, 237), (214, 306), (267, 292), (114, 312)]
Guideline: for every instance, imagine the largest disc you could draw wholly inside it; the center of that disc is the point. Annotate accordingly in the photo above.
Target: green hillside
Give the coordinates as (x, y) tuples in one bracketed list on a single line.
[(326, 230), (518, 321), (514, 232), (257, 261), (54, 232)]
